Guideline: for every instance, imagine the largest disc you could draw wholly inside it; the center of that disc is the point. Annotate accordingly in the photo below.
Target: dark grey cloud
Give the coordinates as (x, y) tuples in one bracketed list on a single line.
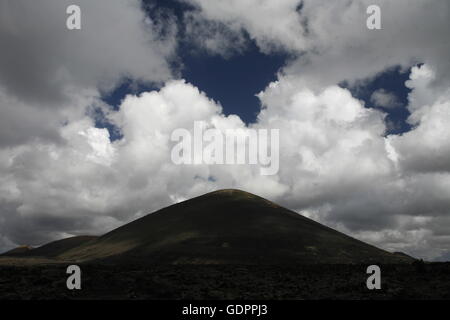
[(49, 74)]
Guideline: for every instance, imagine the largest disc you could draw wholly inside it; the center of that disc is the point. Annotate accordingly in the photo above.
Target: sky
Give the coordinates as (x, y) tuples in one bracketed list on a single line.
[(86, 115)]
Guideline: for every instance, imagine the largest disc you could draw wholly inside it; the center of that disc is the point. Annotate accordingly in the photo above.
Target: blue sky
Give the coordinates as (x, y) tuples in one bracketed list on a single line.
[(392, 80), (234, 80), (231, 81)]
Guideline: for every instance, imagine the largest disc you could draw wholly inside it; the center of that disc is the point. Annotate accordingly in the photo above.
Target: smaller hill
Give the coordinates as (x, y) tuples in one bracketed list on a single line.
[(52, 249), (404, 255), (21, 250)]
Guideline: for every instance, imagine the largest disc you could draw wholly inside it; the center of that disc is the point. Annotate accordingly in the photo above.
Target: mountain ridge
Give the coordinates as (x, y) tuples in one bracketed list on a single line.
[(226, 226)]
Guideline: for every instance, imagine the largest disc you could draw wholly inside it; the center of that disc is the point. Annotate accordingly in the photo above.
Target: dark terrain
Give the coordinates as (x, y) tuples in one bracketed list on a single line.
[(227, 244), (226, 282)]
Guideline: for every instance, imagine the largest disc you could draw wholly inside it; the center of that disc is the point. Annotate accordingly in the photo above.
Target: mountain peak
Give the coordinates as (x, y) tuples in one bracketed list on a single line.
[(226, 226), (231, 192)]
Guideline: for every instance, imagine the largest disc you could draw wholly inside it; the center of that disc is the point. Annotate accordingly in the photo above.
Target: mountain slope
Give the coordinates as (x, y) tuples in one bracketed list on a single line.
[(19, 251), (228, 226), (56, 248), (52, 249)]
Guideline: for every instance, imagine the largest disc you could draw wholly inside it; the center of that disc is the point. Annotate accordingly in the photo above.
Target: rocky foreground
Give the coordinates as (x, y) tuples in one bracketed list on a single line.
[(413, 281)]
